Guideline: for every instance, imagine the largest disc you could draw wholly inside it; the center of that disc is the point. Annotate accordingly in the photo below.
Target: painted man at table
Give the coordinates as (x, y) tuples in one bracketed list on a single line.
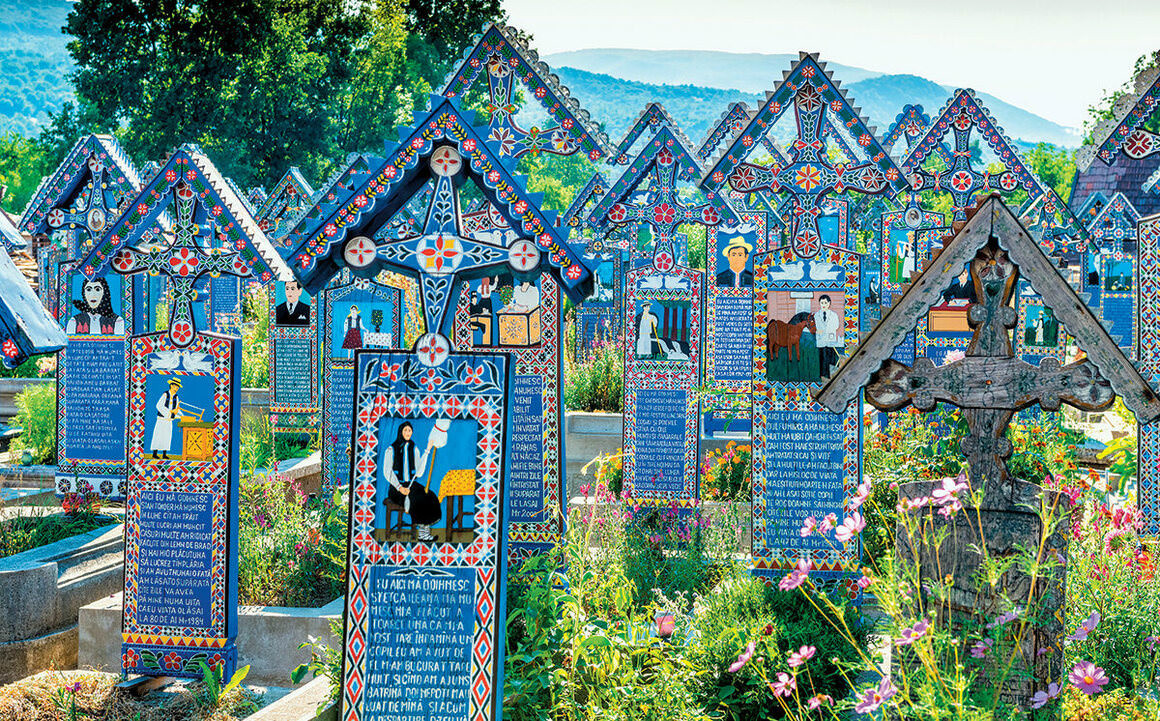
[(168, 409)]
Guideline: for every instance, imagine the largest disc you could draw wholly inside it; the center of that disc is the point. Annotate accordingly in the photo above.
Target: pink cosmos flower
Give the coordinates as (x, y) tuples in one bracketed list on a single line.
[(1040, 699), (785, 685), (913, 633), (1088, 677), (800, 656), (1089, 624), (818, 699), (954, 355), (860, 495), (743, 658), (809, 526), (979, 650), (828, 523), (1006, 617), (851, 527), (863, 582), (666, 624), (796, 577), (949, 490), (874, 697)]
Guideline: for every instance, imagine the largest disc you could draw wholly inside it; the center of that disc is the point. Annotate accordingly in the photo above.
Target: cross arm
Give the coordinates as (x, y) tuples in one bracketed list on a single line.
[(996, 383)]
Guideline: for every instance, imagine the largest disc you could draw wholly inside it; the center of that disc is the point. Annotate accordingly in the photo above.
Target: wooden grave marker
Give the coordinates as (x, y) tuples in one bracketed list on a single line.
[(181, 505), (432, 409), (990, 384)]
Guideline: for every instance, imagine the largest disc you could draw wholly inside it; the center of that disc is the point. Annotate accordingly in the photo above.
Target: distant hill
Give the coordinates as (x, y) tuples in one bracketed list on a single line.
[(33, 63), (697, 85)]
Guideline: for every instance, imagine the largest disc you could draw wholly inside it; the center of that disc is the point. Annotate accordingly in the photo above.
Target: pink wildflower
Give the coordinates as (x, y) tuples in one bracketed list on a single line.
[(796, 577), (818, 699), (743, 658), (851, 527), (785, 685), (979, 650), (949, 490), (1006, 618), (863, 582), (860, 495), (828, 523), (1089, 624), (1088, 677), (800, 656), (911, 634), (808, 526), (874, 697), (1040, 699)]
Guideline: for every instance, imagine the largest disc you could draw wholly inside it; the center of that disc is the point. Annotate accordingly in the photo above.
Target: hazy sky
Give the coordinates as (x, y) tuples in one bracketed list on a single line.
[(1053, 58)]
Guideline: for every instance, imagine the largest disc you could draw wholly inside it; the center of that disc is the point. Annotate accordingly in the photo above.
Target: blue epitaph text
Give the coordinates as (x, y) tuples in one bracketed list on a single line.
[(660, 441), (805, 452), (525, 482), (419, 652), (175, 565)]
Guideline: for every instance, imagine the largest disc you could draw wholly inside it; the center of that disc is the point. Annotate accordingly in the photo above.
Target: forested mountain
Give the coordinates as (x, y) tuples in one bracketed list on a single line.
[(33, 63)]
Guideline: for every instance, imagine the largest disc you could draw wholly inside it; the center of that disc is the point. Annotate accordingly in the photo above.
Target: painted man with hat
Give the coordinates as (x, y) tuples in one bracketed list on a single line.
[(736, 252), (168, 409)]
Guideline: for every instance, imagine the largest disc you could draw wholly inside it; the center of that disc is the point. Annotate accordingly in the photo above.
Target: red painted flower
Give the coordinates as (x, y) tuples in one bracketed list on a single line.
[(664, 214), (431, 380), (9, 348), (130, 659), (618, 213), (170, 175), (473, 375), (172, 662)]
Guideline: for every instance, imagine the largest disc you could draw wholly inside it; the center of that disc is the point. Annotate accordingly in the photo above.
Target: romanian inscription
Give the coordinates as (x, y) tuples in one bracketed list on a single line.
[(421, 633), (293, 369), (732, 333), (660, 441), (526, 451), (804, 474), (175, 567), (95, 402)]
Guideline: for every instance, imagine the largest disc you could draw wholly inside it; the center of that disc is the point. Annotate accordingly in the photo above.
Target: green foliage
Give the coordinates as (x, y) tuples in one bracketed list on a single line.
[(596, 383), (324, 661), (36, 416), (290, 549), (212, 691), (725, 473), (256, 339), (23, 162), (558, 177), (26, 532), (259, 84), (1119, 704), (1054, 166)]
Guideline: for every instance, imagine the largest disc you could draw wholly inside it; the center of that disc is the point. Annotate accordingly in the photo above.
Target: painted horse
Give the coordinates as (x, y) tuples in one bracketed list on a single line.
[(780, 334)]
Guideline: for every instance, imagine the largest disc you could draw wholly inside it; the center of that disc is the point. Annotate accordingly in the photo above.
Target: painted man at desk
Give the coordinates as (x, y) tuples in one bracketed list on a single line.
[(168, 409)]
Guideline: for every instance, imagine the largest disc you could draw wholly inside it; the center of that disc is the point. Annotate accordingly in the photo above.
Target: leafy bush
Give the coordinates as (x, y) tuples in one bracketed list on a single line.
[(256, 339), (596, 383), (725, 473), (290, 550), (36, 416), (23, 533)]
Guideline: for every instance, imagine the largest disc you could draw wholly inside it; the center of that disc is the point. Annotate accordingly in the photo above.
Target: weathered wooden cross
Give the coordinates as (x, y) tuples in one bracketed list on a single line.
[(990, 384)]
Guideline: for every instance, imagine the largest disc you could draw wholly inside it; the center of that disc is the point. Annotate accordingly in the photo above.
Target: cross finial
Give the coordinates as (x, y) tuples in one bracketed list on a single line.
[(183, 261)]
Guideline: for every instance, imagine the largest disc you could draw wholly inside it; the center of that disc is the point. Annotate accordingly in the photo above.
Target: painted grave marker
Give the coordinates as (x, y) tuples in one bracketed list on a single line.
[(294, 361), (356, 313), (26, 328), (75, 205), (1148, 313), (402, 542), (180, 593)]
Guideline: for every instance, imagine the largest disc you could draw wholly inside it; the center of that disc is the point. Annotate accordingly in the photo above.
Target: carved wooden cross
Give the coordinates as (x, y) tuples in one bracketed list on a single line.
[(663, 210), (97, 206), (183, 262), (990, 384), (810, 176), (441, 255)]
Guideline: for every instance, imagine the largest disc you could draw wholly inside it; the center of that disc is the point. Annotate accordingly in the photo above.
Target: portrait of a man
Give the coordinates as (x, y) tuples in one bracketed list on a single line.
[(737, 275), (294, 310)]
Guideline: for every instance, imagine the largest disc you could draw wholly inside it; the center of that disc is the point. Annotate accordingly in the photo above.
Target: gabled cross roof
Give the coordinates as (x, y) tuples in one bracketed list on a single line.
[(580, 206), (732, 121), (283, 205), (1116, 221), (505, 57), (370, 191), (140, 223), (652, 118), (992, 219), (812, 94), (1123, 130), (26, 328), (911, 124), (10, 236), (664, 161), (84, 192)]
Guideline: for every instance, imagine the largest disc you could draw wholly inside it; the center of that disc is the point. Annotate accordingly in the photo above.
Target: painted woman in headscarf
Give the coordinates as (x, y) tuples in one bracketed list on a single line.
[(96, 316), (404, 471)]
